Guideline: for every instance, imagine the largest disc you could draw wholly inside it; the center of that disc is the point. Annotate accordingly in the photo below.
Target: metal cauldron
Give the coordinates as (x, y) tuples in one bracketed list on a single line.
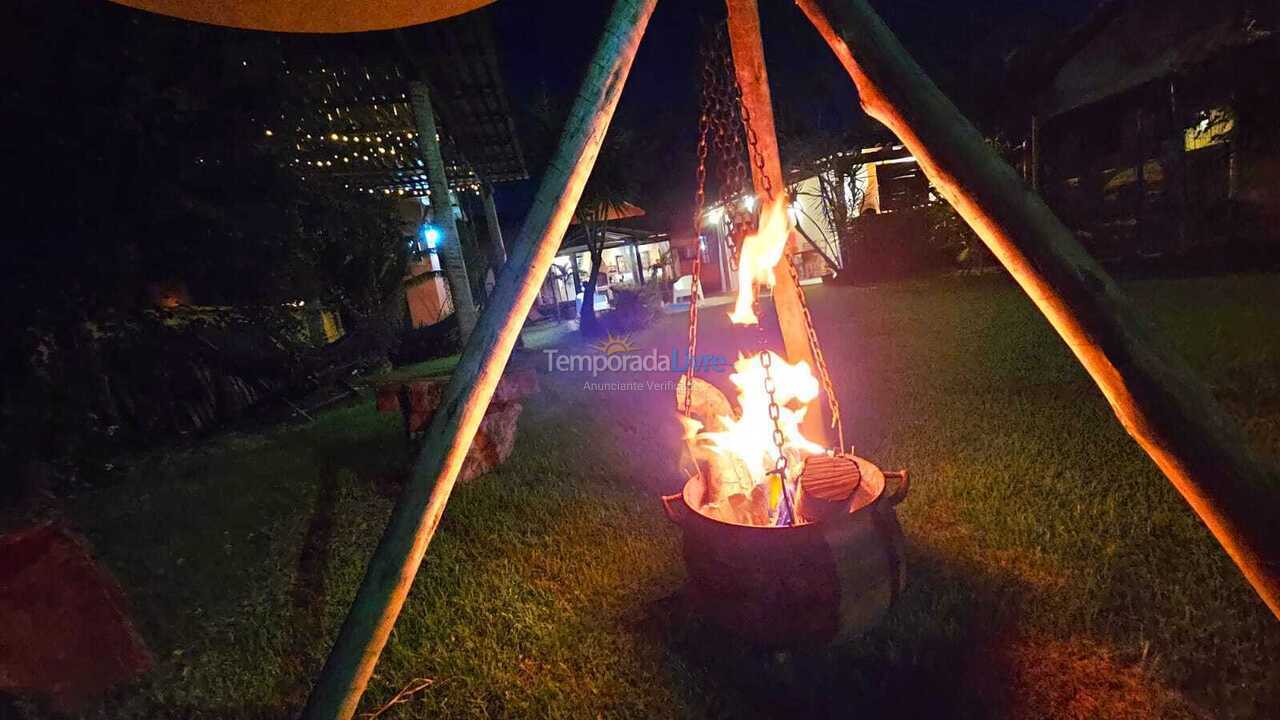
[(803, 585)]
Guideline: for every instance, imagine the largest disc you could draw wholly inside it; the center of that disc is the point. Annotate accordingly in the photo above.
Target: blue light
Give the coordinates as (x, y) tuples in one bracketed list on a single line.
[(431, 236)]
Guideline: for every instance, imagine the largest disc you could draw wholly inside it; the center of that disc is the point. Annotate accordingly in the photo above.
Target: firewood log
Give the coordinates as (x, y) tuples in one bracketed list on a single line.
[(708, 404)]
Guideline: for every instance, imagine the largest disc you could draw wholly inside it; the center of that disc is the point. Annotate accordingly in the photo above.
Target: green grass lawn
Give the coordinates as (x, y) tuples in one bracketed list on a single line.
[(428, 368), (1052, 571)]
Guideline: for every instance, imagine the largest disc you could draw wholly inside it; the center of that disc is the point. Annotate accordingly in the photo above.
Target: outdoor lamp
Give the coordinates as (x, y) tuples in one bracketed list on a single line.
[(431, 237)]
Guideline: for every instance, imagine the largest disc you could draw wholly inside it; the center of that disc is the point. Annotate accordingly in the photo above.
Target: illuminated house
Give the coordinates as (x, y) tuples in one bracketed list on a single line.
[(1153, 125), (829, 198), (631, 258)]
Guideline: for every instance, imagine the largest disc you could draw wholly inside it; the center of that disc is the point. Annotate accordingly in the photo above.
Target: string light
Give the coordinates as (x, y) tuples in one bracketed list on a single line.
[(398, 160)]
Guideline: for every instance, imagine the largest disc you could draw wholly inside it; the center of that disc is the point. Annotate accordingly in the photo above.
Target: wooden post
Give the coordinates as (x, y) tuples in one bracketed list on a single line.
[(1035, 152), (1140, 180), (577, 275), (498, 248), (635, 253), (451, 259), (418, 510), (1153, 392), (753, 78), (722, 260), (1174, 160)]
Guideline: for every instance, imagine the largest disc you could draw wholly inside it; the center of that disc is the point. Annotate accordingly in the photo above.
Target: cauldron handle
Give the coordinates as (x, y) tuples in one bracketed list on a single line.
[(904, 484), (674, 506)]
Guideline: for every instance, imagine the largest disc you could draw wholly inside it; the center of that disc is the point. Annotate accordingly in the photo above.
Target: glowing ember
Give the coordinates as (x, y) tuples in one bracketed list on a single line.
[(737, 453), (761, 253)]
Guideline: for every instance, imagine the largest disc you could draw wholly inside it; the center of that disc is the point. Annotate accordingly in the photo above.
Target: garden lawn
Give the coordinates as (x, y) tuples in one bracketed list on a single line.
[(1052, 571)]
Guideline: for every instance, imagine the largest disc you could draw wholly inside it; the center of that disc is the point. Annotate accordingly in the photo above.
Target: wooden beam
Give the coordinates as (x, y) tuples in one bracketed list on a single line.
[(451, 257), (635, 254), (753, 78), (417, 513), (1036, 141), (497, 248), (1155, 395)]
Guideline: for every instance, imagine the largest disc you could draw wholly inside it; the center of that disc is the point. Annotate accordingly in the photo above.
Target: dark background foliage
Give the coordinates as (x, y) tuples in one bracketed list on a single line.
[(139, 167)]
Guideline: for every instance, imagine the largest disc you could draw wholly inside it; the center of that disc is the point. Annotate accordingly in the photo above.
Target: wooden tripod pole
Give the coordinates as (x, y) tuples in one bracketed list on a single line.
[(1156, 396), (394, 564), (748, 62)]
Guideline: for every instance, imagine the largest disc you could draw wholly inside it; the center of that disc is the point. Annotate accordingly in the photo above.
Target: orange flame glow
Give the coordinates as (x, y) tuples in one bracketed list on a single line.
[(761, 253), (743, 450)]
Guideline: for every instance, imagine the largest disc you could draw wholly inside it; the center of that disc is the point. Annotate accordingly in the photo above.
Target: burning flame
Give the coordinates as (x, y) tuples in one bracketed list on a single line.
[(743, 451), (740, 453), (761, 252)]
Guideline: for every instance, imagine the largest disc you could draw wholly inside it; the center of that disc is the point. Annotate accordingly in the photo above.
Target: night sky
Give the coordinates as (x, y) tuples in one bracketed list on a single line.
[(545, 48)]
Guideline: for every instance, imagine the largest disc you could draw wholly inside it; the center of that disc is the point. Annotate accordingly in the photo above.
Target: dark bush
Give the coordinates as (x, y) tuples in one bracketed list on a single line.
[(951, 237), (428, 342), (911, 242), (891, 246), (634, 308), (136, 378)]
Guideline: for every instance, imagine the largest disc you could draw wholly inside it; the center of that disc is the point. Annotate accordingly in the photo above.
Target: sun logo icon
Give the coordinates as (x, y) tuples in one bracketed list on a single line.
[(615, 344)]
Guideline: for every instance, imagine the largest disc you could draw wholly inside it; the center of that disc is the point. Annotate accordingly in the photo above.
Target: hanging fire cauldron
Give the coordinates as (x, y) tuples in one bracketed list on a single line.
[(805, 584), (778, 557)]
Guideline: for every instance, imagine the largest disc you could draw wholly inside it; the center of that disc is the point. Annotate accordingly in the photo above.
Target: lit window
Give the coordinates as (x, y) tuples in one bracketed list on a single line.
[(1213, 127)]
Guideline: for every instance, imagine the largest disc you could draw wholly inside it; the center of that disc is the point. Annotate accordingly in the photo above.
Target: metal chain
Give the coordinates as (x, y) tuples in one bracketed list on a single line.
[(730, 153), (811, 332), (816, 348), (753, 142), (695, 284), (766, 359), (723, 122), (720, 149), (779, 439)]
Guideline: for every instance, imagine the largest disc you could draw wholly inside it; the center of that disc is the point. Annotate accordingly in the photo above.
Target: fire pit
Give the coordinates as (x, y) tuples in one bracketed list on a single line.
[(789, 538), (804, 584)]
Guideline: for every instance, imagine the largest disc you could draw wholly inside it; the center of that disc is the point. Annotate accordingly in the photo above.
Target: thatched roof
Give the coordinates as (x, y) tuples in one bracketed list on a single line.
[(357, 127)]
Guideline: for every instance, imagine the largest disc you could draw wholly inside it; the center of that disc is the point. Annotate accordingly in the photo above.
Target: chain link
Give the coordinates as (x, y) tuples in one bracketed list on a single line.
[(811, 332), (724, 121), (833, 404), (781, 463), (722, 155), (695, 284), (753, 142)]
